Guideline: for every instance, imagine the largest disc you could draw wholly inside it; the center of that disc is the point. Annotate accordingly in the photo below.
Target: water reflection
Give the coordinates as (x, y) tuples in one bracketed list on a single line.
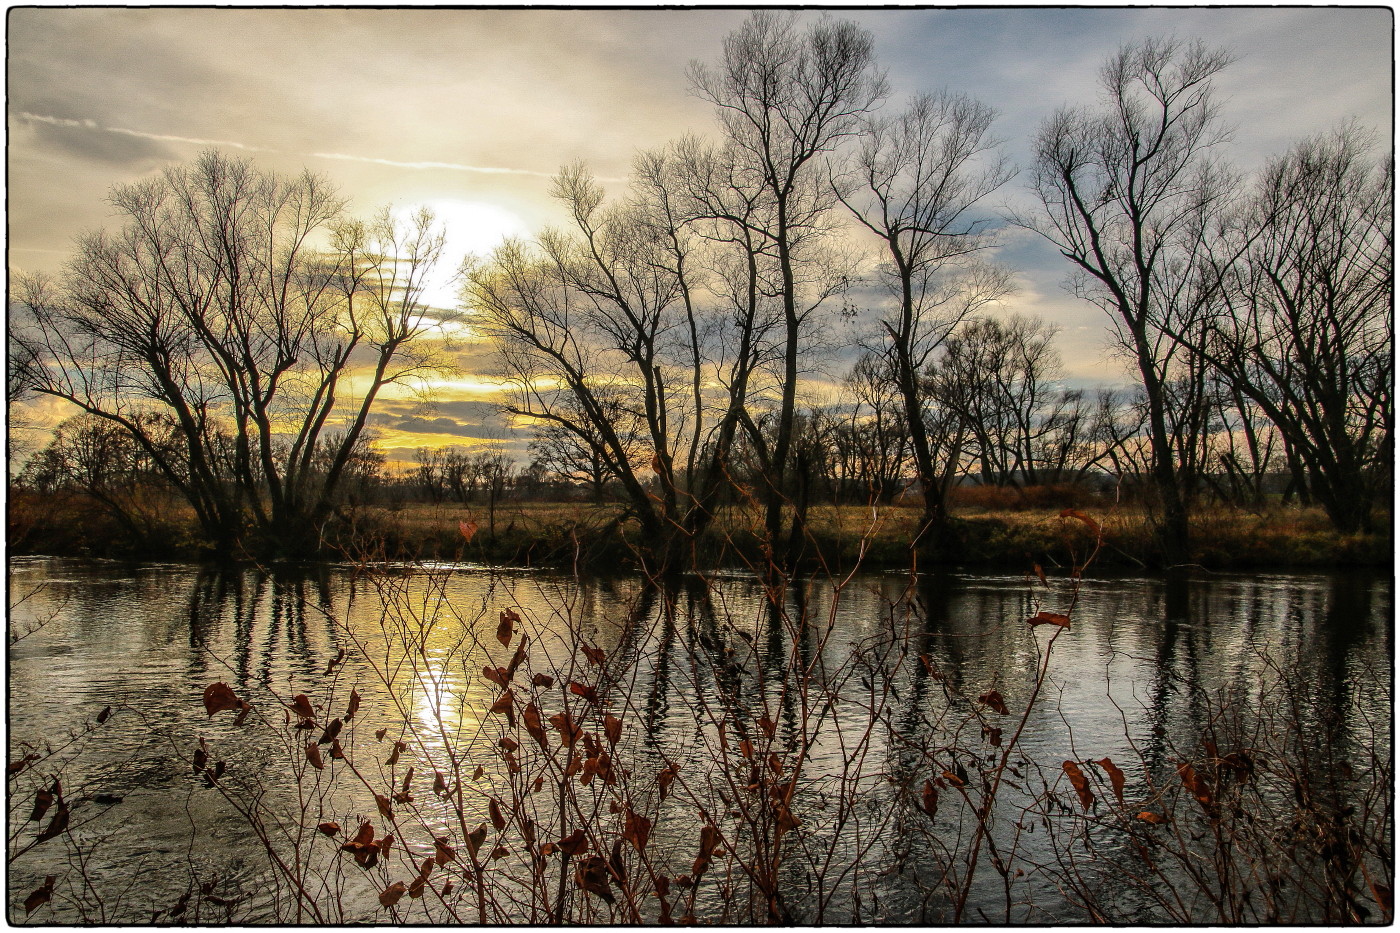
[(886, 672)]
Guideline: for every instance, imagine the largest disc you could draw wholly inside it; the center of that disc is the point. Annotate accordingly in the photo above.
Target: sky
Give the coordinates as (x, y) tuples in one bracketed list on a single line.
[(471, 111)]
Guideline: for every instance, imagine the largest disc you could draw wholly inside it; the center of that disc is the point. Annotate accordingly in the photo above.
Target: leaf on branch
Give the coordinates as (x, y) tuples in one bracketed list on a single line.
[(636, 830), (584, 690), (1115, 776), (534, 726), (354, 706), (993, 699), (542, 680), (40, 895), (439, 783), (385, 810), (331, 731), (709, 842), (612, 728), (313, 755), (363, 846), (574, 843), (442, 852), (518, 658), (58, 824), (1148, 816), (1080, 783), (302, 707), (43, 799), (569, 731), (1092, 525), (104, 715), (15, 767), (1193, 783), (498, 818), (219, 697), (505, 706), (506, 630), (331, 664), (595, 655), (592, 876), (665, 777), (1048, 618), (474, 840), (1040, 574), (468, 529), (329, 828), (928, 801), (392, 893)]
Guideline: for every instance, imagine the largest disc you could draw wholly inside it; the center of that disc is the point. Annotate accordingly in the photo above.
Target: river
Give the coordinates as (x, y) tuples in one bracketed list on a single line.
[(877, 749)]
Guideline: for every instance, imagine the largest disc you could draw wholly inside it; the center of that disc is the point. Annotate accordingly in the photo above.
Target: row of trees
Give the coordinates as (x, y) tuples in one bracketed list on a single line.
[(1282, 293), (666, 333), (240, 326)]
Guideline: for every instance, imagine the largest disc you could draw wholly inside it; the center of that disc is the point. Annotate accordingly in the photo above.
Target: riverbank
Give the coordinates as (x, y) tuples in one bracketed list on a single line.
[(840, 538)]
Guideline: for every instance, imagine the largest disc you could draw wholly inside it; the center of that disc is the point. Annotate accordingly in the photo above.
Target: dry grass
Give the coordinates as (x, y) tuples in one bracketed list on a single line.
[(992, 529)]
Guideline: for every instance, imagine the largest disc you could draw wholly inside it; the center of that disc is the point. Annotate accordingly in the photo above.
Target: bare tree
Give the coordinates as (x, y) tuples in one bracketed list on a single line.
[(1127, 192), (99, 460), (915, 183), (785, 99), (213, 306), (593, 327), (998, 377), (873, 440), (1308, 333)]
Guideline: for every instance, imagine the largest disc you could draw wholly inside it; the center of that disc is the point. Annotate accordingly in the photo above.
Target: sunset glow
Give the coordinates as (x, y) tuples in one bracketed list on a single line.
[(477, 109), (472, 228)]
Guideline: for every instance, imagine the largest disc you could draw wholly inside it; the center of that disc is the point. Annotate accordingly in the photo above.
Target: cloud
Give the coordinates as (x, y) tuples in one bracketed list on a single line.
[(451, 166), (105, 148), (418, 424), (86, 148)]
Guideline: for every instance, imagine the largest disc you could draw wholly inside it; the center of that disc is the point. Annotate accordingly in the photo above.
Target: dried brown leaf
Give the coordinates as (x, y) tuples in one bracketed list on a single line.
[(219, 697), (1048, 618), (994, 699), (1115, 777), (301, 705), (1080, 783)]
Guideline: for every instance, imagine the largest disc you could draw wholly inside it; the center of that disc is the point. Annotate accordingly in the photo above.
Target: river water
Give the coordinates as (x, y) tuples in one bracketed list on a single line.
[(858, 697)]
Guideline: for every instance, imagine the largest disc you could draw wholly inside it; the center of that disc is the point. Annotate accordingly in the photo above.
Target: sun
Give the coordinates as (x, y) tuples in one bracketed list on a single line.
[(471, 227)]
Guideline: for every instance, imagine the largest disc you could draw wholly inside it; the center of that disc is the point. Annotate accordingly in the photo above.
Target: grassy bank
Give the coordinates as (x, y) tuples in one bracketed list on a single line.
[(991, 534)]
